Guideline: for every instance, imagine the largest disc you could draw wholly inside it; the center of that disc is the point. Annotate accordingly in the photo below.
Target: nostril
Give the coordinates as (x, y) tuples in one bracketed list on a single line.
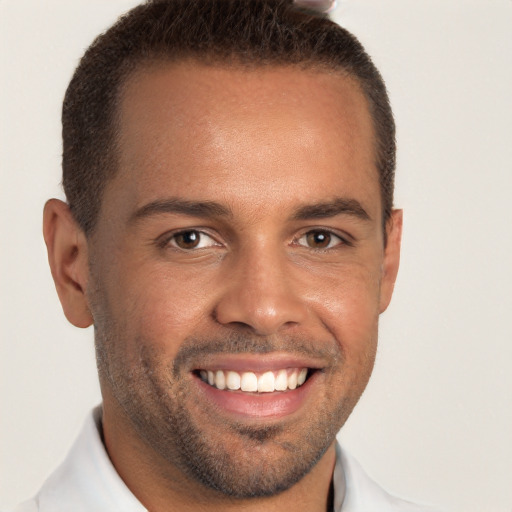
[(236, 324)]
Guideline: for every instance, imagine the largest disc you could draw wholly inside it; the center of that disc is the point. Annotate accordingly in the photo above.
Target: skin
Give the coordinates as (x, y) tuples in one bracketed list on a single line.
[(288, 156)]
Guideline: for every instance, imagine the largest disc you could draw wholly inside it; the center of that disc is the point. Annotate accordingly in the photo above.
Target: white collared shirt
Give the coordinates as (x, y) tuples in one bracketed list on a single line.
[(87, 482)]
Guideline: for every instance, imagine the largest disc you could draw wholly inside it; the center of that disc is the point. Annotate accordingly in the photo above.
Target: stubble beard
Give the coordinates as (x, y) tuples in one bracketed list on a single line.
[(263, 460)]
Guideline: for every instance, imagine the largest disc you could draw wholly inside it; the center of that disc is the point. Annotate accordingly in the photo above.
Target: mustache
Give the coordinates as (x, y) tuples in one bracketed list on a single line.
[(194, 349)]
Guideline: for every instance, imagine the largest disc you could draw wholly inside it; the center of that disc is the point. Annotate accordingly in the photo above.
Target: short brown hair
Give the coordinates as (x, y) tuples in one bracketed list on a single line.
[(240, 32)]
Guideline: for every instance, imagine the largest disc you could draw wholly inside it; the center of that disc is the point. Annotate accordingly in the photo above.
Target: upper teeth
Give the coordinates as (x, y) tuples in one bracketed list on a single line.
[(266, 382)]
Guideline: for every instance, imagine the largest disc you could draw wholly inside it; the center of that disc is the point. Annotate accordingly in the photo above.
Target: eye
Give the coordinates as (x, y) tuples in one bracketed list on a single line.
[(320, 239), (191, 239)]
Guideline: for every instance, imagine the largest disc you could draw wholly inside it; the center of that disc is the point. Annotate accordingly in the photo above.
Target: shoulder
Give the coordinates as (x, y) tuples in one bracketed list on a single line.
[(363, 494), (86, 481)]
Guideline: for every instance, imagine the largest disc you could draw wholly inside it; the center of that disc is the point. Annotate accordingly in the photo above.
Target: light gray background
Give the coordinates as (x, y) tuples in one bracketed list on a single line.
[(435, 424)]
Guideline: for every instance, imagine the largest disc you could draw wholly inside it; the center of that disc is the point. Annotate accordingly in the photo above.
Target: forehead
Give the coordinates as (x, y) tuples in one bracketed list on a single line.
[(204, 126)]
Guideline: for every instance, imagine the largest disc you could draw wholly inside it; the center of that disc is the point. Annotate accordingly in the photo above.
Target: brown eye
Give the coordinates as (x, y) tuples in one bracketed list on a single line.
[(318, 239), (187, 239), (192, 239)]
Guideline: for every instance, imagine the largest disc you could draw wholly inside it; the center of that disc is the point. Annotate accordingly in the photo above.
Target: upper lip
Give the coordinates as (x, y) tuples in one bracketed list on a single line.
[(257, 362)]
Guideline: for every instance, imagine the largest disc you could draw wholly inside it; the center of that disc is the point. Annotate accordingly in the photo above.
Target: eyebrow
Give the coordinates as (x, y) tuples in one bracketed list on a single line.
[(203, 209), (207, 209), (338, 206)]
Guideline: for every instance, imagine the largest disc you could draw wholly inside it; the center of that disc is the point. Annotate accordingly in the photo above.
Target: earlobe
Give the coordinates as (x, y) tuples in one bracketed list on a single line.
[(391, 258), (67, 255)]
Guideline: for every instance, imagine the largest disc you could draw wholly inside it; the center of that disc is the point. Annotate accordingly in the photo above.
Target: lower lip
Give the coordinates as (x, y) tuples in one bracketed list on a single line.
[(258, 405)]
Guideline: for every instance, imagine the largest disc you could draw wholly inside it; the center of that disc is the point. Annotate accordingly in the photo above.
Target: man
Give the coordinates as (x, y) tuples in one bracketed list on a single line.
[(229, 230)]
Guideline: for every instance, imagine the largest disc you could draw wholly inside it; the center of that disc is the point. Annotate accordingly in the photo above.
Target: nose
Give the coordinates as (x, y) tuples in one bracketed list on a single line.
[(259, 295)]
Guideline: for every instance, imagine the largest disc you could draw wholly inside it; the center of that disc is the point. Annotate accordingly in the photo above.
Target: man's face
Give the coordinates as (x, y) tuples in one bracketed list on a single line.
[(240, 244)]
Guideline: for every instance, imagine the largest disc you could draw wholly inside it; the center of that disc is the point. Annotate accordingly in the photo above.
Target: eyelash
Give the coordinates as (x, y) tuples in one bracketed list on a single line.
[(342, 241), (168, 240)]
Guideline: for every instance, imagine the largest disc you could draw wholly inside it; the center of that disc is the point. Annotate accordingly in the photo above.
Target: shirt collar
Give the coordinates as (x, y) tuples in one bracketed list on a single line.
[(338, 481)]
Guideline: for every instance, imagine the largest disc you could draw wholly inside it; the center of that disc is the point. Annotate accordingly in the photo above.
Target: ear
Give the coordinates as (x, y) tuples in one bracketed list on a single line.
[(67, 254), (391, 258)]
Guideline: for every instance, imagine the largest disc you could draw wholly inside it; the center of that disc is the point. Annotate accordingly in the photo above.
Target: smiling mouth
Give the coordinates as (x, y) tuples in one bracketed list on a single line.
[(255, 382)]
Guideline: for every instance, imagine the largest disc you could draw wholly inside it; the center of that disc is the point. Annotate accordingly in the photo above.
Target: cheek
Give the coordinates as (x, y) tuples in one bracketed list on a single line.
[(348, 306), (348, 303), (161, 308), (352, 316)]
